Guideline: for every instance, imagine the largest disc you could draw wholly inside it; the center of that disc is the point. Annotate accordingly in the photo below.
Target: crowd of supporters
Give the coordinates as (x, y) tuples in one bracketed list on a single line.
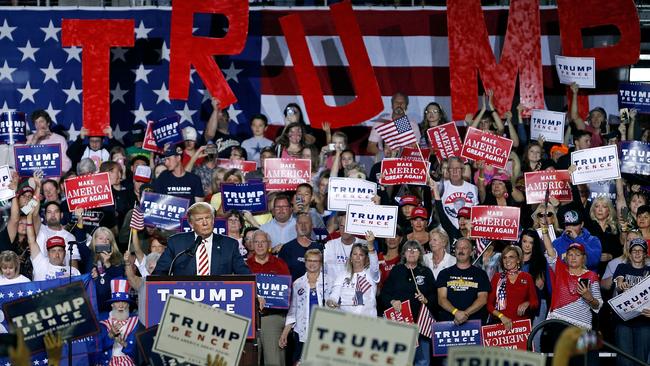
[(571, 257)]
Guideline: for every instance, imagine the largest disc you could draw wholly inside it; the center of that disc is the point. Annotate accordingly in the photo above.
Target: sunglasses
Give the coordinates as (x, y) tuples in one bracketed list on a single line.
[(548, 214)]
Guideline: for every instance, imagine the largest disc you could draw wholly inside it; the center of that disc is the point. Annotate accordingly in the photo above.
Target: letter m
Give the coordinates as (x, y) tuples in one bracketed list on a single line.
[(470, 53)]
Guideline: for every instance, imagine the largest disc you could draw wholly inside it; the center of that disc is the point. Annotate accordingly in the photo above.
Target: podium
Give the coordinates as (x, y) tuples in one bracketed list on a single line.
[(232, 293)]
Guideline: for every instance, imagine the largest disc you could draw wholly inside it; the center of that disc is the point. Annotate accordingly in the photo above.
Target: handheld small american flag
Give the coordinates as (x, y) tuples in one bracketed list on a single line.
[(425, 320), (481, 245), (397, 133), (137, 219), (363, 285)]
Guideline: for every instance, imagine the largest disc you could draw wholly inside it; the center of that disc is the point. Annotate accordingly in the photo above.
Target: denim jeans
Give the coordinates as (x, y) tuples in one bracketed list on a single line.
[(632, 340), (423, 352)]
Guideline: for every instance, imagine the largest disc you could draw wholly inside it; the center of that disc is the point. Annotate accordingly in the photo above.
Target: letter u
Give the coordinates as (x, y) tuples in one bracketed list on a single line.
[(368, 102), (358, 341), (46, 313)]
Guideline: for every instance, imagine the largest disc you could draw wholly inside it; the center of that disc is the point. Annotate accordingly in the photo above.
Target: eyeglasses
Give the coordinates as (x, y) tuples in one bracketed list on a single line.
[(548, 214), (432, 112), (413, 250)]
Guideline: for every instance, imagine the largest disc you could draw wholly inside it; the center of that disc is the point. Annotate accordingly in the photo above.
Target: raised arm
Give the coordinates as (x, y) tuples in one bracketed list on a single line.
[(575, 116), (495, 113), (199, 153), (34, 249), (14, 216), (511, 129), (211, 126), (478, 117), (632, 128)]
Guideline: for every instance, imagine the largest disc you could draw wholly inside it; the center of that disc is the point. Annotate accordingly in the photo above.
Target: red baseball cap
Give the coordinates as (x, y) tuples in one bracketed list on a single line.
[(578, 246), (464, 212), (409, 200), (419, 212), (55, 241)]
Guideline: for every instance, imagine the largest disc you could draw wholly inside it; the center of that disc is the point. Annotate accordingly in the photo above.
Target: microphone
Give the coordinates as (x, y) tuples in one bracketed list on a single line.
[(193, 249)]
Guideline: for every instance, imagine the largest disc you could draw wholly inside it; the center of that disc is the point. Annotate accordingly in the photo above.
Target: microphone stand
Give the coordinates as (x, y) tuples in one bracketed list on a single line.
[(171, 266), (69, 341), (191, 251)]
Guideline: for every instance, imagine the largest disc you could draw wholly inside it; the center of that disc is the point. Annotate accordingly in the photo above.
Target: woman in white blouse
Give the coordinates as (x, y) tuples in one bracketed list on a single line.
[(355, 290), (307, 292)]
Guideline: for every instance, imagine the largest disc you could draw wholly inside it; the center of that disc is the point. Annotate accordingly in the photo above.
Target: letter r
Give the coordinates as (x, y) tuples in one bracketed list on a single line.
[(188, 50)]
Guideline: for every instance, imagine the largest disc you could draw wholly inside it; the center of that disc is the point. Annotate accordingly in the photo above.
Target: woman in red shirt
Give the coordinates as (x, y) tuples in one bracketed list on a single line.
[(513, 295)]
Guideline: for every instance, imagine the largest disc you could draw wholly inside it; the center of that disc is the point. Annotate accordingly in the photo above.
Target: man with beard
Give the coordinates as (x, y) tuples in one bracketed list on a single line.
[(293, 252), (117, 336), (463, 289), (52, 228)]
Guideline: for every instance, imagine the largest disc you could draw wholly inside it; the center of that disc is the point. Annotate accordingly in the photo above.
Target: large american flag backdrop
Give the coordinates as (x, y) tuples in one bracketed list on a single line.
[(408, 49)]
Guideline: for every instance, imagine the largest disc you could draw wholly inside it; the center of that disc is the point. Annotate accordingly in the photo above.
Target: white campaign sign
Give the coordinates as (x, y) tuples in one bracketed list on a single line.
[(581, 70), (338, 338), (595, 164), (629, 304), (190, 330), (343, 191), (488, 356), (6, 193), (549, 124), (381, 220)]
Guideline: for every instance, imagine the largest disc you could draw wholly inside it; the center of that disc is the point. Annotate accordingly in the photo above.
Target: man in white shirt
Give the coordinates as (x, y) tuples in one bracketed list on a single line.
[(51, 266), (457, 193), (337, 252), (53, 227)]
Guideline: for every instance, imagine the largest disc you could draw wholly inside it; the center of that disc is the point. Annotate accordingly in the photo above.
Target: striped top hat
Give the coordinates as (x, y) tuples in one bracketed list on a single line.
[(120, 291)]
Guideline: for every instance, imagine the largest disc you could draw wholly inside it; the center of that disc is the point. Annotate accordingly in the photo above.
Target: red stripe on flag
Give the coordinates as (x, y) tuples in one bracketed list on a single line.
[(425, 320), (416, 22), (334, 80)]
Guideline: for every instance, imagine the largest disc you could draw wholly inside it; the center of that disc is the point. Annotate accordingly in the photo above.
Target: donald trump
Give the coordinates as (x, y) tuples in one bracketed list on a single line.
[(201, 252)]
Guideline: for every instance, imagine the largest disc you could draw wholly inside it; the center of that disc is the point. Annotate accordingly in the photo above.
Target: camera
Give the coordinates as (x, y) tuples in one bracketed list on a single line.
[(331, 147), (102, 248)]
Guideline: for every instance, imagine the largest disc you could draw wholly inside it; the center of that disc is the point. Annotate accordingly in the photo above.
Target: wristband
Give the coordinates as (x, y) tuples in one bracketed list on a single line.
[(453, 312), (500, 315)]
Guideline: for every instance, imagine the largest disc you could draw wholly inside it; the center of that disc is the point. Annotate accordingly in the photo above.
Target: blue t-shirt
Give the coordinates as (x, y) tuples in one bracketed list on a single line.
[(188, 186), (294, 255), (313, 298)]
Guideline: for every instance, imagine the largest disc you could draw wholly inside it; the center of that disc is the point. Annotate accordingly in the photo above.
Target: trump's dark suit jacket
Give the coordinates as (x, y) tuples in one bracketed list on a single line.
[(225, 260)]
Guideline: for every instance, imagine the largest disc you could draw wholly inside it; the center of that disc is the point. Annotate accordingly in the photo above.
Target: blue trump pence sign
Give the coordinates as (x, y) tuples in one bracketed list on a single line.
[(234, 296)]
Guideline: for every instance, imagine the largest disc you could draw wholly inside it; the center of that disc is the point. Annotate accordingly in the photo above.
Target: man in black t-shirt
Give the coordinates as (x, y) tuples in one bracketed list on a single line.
[(175, 181), (463, 289)]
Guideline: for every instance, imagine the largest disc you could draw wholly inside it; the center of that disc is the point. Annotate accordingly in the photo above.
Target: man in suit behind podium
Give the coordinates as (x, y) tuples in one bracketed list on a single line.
[(214, 254)]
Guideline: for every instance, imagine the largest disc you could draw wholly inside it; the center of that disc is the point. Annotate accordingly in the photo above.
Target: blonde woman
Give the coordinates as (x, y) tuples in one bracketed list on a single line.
[(550, 213), (355, 289), (603, 224), (108, 264)]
